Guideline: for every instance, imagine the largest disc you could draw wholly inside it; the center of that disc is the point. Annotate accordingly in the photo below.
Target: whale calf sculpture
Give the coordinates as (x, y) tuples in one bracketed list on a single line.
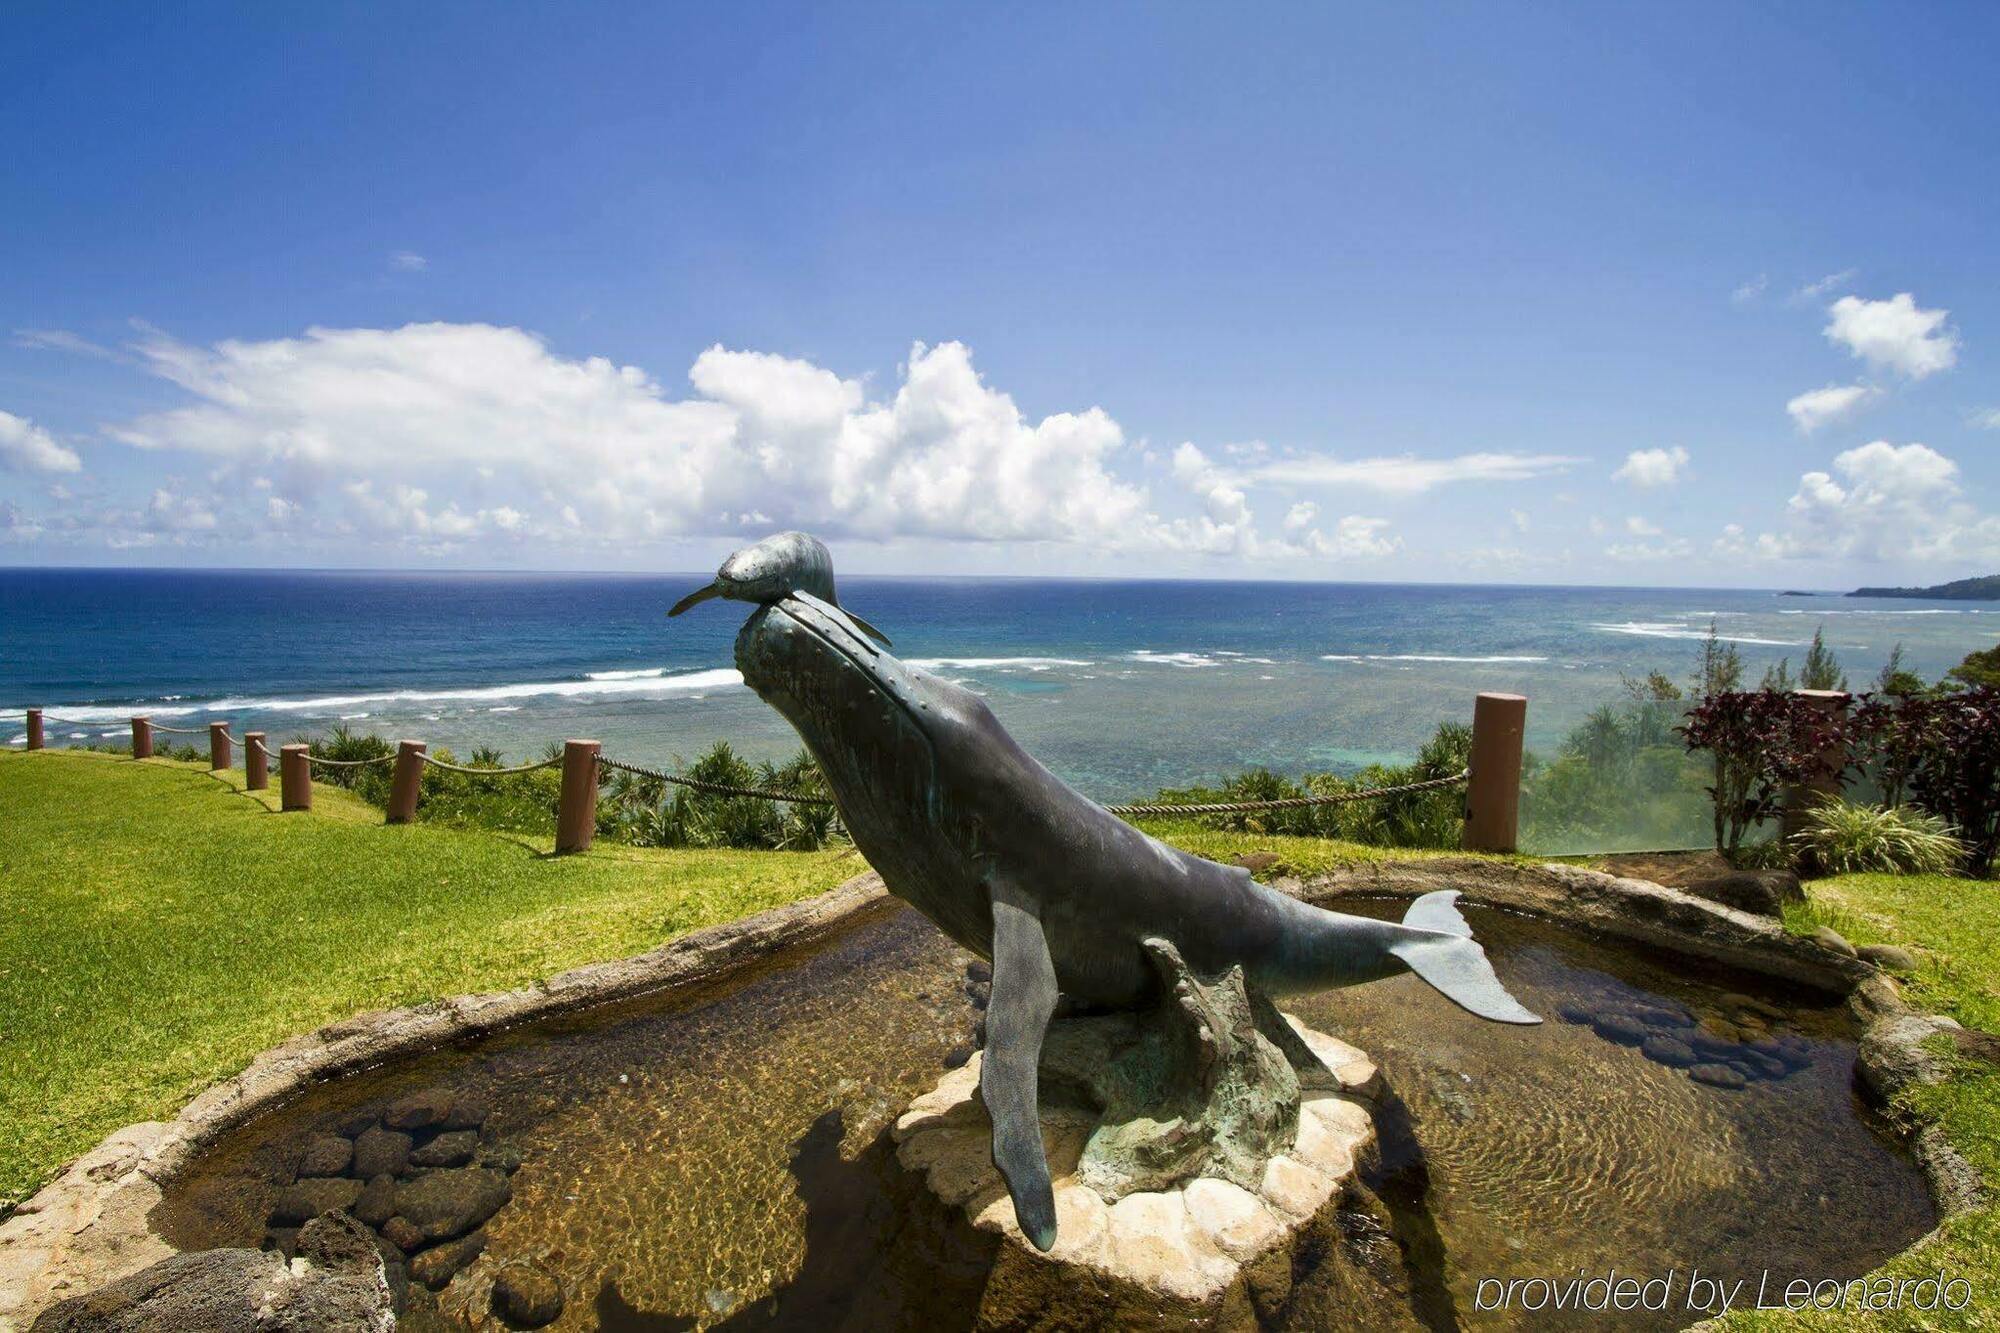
[(1009, 861)]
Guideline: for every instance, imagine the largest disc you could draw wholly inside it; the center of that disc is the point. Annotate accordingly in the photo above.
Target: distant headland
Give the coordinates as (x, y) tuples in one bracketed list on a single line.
[(1985, 589)]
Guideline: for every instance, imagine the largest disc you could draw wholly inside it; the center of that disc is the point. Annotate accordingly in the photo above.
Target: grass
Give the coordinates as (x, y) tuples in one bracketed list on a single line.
[(159, 927), (1953, 927)]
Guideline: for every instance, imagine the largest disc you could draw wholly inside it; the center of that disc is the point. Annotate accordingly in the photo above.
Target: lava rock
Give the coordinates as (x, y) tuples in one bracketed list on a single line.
[(454, 1147), (979, 970), (327, 1155), (1760, 892), (1718, 1076), (440, 1264), (357, 1123), (1574, 1011), (1715, 1047), (337, 1284), (1888, 957), (403, 1234), (1621, 1028), (1656, 1016), (303, 1200), (419, 1110), (380, 1152), (468, 1111), (376, 1203), (1753, 1061), (527, 1296), (443, 1204), (1670, 1051), (1829, 938)]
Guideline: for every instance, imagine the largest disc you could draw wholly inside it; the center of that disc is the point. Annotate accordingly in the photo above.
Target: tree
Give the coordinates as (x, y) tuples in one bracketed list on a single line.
[(1980, 668), (1822, 669), (1897, 680), (1778, 679), (1720, 668)]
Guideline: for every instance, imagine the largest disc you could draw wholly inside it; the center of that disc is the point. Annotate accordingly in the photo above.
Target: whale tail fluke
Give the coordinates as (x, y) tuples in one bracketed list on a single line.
[(1449, 958)]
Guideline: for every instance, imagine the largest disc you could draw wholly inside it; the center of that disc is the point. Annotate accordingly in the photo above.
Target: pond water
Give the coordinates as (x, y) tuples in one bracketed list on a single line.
[(720, 1158)]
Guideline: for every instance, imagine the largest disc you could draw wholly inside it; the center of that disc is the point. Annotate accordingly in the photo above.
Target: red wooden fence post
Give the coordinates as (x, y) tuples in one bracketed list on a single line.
[(256, 775), (142, 738), (576, 810), (407, 783), (1493, 796), (218, 746), (295, 782), (34, 728)]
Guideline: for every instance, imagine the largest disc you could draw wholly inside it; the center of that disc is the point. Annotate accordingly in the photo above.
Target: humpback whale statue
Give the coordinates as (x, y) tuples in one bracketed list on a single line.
[(1016, 866)]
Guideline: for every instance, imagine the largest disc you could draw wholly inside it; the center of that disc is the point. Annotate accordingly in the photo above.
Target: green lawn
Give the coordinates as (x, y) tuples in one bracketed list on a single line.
[(1953, 926), (159, 927)]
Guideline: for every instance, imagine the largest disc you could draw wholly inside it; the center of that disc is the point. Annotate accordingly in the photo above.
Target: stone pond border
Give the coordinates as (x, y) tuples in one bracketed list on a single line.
[(90, 1224)]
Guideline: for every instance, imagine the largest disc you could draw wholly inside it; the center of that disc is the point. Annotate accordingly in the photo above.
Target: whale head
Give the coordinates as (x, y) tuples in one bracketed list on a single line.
[(768, 571)]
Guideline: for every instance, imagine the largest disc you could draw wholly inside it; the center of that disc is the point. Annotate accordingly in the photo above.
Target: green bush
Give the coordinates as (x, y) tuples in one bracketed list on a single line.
[(1843, 838), (1420, 819)]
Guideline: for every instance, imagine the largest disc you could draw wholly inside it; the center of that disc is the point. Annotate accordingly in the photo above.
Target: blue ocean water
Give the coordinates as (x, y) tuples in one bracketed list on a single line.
[(1121, 687)]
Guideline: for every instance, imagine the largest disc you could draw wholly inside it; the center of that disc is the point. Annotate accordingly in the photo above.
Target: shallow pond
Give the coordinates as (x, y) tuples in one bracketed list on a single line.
[(720, 1158)]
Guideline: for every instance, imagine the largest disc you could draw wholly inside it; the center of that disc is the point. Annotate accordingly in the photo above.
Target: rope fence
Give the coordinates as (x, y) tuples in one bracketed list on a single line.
[(1293, 802), (1492, 779), (486, 772), (713, 788)]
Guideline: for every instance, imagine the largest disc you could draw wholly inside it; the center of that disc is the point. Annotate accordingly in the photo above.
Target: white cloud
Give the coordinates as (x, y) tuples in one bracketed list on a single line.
[(1820, 407), (1520, 520), (408, 261), (1832, 282), (1894, 334), (1987, 418), (1408, 475), (1747, 292), (61, 340), (1644, 552), (1884, 502), (26, 447), (437, 435), (1650, 468), (1642, 527)]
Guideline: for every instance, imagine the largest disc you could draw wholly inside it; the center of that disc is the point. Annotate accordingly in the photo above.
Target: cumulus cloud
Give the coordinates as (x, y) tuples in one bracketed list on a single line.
[(1987, 418), (1821, 407), (26, 447), (1894, 334), (1650, 468), (1408, 475), (435, 435), (1749, 291), (1640, 526), (1884, 502), (408, 261)]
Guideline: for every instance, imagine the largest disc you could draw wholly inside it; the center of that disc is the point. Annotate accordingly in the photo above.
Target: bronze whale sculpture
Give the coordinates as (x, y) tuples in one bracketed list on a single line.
[(1014, 864)]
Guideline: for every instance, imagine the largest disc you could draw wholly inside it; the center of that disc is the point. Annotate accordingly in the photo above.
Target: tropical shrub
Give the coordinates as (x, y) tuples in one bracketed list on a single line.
[(1955, 771), (1843, 837), (1759, 742)]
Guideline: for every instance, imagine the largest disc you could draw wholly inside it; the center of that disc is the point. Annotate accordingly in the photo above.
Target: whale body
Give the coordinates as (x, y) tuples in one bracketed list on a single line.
[(1017, 866)]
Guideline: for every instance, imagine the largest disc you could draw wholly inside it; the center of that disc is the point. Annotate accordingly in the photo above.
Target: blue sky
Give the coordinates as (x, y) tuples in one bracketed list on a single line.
[(1701, 295)]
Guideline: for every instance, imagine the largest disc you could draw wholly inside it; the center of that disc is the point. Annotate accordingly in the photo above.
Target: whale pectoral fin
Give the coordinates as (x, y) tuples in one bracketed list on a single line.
[(869, 629), (1023, 998)]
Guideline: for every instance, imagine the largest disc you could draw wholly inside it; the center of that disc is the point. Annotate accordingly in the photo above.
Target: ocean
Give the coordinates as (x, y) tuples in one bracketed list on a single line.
[(1121, 687)]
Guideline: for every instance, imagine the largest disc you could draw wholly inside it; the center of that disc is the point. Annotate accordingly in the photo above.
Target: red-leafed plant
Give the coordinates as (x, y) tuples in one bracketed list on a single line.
[(1762, 742), (1953, 765)]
